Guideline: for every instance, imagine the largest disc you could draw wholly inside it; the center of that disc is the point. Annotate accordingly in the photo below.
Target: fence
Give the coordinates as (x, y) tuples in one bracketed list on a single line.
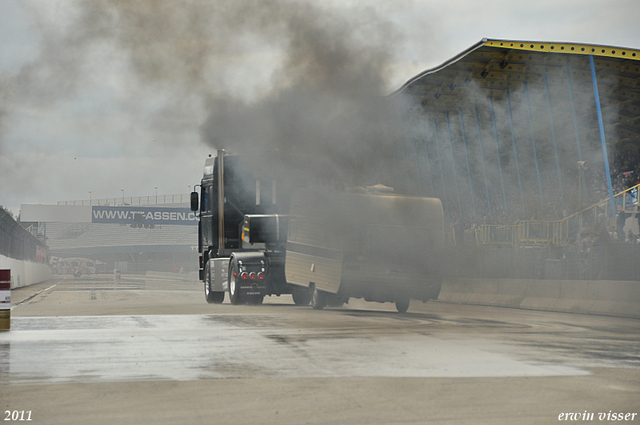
[(559, 232), (524, 233), (17, 243), (132, 200)]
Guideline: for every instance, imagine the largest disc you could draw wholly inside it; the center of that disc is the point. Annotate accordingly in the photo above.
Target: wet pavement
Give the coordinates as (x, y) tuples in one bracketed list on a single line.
[(95, 350), (189, 347)]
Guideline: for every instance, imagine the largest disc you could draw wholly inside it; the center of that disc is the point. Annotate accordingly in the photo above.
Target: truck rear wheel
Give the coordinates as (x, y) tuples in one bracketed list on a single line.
[(318, 299), (234, 286), (212, 297)]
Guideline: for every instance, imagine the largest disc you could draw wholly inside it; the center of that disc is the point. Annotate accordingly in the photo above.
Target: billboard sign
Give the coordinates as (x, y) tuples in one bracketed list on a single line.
[(143, 216)]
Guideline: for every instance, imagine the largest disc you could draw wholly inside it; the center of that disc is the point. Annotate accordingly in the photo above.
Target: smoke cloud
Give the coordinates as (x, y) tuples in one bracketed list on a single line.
[(298, 76), (326, 100)]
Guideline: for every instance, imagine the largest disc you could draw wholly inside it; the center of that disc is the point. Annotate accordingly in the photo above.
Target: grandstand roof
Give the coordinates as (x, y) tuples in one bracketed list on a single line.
[(488, 68)]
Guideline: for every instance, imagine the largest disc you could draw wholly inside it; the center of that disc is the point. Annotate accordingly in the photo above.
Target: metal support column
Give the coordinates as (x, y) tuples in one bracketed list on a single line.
[(415, 154), (495, 135), (444, 189), (400, 134), (453, 161), (533, 140), (515, 150), (428, 161), (553, 137), (577, 133), (484, 168), (466, 153)]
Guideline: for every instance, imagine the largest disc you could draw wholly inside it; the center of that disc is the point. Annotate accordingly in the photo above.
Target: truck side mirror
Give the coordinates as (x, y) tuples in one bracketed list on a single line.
[(194, 201)]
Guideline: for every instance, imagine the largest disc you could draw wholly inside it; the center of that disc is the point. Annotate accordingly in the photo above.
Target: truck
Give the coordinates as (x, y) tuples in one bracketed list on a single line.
[(265, 230)]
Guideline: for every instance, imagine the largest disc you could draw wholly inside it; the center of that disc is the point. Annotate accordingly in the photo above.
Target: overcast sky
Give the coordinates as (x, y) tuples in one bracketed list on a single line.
[(100, 96)]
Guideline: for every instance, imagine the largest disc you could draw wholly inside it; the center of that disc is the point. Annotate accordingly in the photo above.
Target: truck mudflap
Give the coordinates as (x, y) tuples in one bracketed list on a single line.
[(247, 277), (219, 274), (253, 290)]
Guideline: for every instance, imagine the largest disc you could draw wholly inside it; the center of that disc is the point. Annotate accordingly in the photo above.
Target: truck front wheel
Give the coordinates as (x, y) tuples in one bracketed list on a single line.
[(234, 285)]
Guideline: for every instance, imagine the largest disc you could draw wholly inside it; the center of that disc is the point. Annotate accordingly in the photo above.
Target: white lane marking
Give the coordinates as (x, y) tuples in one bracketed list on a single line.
[(37, 293)]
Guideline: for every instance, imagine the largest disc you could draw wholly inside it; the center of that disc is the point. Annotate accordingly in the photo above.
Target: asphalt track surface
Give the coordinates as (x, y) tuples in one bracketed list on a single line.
[(95, 350)]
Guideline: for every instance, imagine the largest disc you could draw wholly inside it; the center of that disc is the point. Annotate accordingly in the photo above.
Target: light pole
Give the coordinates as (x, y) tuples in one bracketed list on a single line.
[(582, 165), (122, 190), (156, 188), (89, 198)]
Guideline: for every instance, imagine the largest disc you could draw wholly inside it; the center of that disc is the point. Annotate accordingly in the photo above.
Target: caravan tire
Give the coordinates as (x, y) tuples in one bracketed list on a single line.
[(301, 297), (402, 304)]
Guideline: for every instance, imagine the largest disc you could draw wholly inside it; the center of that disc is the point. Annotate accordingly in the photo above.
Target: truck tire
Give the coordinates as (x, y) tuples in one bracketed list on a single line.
[(318, 299), (301, 297), (212, 297), (234, 287), (402, 304)]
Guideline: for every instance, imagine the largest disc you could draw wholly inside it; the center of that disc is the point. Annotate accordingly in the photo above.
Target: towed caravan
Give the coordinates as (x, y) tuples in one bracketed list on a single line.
[(369, 244)]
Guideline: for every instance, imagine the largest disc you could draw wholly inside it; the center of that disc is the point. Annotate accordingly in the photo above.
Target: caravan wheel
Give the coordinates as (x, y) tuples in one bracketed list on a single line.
[(301, 297), (402, 304)]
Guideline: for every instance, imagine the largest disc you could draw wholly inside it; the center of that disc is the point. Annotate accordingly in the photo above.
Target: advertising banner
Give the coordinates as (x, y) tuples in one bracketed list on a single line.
[(143, 216), (5, 289)]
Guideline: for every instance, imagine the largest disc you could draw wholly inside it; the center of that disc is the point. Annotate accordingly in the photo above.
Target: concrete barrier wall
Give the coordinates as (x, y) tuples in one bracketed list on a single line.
[(612, 298), (24, 273)]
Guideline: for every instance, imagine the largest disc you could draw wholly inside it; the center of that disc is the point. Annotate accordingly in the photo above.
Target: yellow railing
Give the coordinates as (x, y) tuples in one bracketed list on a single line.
[(497, 235), (524, 233), (554, 232)]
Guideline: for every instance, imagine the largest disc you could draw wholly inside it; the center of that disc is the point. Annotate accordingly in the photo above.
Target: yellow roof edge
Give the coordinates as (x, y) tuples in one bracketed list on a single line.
[(569, 48)]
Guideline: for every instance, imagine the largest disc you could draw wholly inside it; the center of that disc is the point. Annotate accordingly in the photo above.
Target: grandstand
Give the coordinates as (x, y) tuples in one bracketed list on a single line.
[(529, 145)]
